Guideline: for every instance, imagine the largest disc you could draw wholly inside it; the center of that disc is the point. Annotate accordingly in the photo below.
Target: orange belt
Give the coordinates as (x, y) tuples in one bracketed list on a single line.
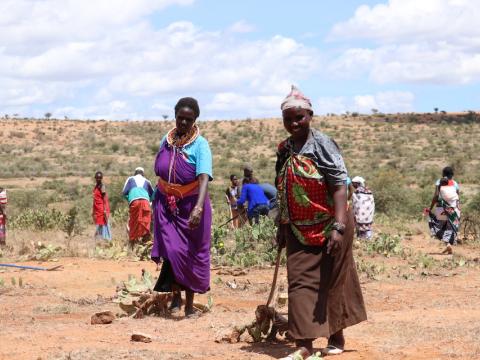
[(177, 190)]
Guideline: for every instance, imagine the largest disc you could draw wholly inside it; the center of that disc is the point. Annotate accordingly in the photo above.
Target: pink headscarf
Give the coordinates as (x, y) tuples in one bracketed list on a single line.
[(296, 99)]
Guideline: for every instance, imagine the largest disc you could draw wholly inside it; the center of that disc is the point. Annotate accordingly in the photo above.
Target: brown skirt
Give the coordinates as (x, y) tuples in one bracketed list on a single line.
[(324, 294)]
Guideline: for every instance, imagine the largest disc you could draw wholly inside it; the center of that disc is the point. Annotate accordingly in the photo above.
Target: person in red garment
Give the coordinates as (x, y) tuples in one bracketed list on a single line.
[(101, 209), (138, 190), (316, 227), (3, 216)]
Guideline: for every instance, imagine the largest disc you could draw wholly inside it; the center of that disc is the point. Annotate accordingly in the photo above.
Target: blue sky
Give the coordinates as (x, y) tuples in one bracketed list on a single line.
[(132, 59)]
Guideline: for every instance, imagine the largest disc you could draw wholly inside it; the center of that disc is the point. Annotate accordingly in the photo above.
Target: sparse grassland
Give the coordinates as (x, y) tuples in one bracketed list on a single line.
[(49, 165), (416, 298)]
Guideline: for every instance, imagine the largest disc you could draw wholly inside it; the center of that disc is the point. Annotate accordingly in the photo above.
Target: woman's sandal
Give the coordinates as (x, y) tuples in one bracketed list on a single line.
[(331, 350)]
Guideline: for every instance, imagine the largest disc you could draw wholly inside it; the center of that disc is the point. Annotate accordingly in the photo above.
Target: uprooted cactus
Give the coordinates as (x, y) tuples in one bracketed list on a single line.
[(266, 325), (137, 299), (45, 252)]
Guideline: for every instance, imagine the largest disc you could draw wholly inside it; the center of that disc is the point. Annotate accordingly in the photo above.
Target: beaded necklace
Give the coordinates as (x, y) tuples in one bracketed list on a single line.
[(181, 141), (178, 143)]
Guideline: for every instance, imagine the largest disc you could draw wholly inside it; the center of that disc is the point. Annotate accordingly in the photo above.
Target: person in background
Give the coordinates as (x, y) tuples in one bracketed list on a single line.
[(350, 189), (248, 175), (257, 201), (270, 192), (181, 209), (232, 194), (138, 191), (3, 216), (101, 209), (445, 222), (363, 205), (316, 226)]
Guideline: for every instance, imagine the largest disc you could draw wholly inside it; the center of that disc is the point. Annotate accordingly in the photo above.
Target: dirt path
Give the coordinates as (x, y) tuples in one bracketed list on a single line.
[(430, 318)]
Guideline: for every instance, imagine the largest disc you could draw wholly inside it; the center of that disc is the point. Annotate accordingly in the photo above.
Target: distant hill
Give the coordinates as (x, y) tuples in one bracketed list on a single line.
[(60, 157)]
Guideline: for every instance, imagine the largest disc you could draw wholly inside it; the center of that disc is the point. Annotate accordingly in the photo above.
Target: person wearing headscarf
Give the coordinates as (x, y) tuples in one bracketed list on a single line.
[(444, 223), (101, 209), (181, 209), (138, 191), (324, 294), (363, 205)]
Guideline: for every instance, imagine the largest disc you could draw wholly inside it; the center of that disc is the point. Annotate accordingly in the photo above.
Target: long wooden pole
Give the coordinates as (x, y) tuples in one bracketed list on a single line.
[(275, 275)]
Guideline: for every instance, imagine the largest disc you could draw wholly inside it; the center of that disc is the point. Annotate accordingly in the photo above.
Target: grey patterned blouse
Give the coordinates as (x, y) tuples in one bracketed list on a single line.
[(321, 149)]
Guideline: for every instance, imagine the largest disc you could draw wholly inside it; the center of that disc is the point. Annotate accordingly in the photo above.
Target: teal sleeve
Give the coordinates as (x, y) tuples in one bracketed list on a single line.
[(204, 159)]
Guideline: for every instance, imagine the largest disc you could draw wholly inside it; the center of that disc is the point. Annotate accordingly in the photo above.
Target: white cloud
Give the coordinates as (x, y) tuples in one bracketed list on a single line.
[(428, 41), (250, 106), (115, 109), (57, 52), (406, 20), (386, 101), (242, 27)]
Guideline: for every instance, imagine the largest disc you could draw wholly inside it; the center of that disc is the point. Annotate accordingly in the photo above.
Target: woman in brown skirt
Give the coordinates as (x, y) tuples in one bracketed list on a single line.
[(317, 228)]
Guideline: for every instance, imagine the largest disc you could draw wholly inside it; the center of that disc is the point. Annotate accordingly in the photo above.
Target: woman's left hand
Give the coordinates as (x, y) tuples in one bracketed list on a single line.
[(195, 217), (334, 243)]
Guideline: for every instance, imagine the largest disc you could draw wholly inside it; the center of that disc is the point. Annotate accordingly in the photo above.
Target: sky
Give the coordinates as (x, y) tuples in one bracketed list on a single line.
[(133, 59)]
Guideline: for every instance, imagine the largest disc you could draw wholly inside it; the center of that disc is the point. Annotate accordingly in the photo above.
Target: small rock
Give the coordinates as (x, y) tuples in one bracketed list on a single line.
[(232, 284), (138, 337), (104, 317)]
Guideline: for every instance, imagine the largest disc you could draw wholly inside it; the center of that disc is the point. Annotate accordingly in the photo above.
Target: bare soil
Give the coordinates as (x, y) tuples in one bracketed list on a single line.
[(425, 317)]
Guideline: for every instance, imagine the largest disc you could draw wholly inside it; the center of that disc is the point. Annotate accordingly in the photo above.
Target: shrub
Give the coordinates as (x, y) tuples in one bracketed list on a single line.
[(39, 220), (115, 147), (385, 244), (245, 247)]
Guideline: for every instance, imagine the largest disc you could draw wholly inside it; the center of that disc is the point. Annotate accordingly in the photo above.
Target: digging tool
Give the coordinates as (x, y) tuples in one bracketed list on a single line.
[(228, 222), (26, 267)]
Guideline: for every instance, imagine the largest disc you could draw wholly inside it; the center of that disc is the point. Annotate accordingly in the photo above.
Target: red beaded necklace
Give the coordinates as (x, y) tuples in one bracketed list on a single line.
[(186, 139)]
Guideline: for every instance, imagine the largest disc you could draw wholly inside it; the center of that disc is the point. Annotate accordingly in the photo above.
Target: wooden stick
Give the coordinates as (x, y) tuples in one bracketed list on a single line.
[(275, 275)]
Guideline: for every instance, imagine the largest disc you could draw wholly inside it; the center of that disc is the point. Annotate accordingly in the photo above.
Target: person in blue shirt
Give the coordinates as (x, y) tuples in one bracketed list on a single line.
[(257, 201), (270, 192), (138, 191)]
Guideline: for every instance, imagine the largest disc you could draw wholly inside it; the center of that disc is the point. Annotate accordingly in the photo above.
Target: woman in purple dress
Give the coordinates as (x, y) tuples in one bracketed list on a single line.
[(182, 212)]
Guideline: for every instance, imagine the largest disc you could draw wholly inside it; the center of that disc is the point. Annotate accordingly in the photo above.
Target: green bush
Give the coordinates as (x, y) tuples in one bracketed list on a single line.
[(384, 244), (39, 220), (49, 219), (245, 247)]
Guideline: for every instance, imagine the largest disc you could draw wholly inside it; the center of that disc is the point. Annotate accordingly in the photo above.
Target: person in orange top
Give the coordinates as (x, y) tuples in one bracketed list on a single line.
[(101, 209)]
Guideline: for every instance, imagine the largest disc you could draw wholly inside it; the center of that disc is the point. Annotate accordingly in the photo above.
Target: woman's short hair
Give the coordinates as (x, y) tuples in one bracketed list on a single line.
[(232, 177), (190, 103), (447, 172)]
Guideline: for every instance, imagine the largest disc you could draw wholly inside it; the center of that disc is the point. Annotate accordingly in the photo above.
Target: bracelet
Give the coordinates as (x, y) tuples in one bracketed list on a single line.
[(340, 227), (198, 208)]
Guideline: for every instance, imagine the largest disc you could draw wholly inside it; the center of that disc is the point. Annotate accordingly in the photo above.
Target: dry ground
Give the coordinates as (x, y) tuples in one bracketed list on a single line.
[(411, 316), (425, 317)]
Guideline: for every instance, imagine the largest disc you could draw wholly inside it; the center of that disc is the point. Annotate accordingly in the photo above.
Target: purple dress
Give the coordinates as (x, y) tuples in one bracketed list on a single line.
[(186, 252)]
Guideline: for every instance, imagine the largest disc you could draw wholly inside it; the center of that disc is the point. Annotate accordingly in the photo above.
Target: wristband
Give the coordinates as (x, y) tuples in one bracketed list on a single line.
[(340, 227)]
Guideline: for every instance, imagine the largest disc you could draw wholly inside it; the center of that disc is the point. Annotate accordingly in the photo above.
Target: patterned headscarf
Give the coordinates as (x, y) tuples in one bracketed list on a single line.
[(296, 99), (359, 179)]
